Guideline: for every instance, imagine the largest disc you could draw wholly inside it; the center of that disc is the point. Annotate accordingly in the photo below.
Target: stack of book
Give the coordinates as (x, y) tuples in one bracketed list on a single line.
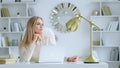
[(7, 59), (106, 10), (4, 12), (4, 41), (112, 26), (114, 55), (96, 43), (16, 27)]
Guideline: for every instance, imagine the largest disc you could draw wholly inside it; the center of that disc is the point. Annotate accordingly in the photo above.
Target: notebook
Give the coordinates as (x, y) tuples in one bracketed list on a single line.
[(51, 54)]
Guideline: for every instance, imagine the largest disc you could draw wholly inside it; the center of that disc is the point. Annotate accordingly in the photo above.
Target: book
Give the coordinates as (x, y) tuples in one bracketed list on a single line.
[(5, 12), (112, 26), (12, 27), (108, 26), (5, 41), (20, 27), (114, 56), (96, 43), (4, 56), (2, 12), (106, 10), (16, 27), (31, 11), (9, 60)]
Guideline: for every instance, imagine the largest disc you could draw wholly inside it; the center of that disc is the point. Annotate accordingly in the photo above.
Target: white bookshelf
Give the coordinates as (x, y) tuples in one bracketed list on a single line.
[(6, 22), (107, 40)]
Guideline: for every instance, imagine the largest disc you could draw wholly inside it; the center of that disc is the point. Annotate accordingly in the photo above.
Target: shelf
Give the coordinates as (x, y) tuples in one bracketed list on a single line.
[(111, 1), (11, 32), (104, 16), (101, 46), (16, 17), (113, 61), (107, 31), (106, 42), (18, 3), (107, 1), (13, 20)]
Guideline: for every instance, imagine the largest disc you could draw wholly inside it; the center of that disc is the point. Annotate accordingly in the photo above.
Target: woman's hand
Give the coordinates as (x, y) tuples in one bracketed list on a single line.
[(72, 59), (37, 37)]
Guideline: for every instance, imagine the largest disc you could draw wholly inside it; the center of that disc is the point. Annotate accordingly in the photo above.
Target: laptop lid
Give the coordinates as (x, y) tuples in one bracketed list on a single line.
[(51, 53)]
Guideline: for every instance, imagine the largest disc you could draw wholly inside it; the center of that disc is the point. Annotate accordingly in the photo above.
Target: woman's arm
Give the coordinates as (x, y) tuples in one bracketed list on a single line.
[(26, 54)]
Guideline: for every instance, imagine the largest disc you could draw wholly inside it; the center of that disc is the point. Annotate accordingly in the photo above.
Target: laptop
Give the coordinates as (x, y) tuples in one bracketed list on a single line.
[(51, 54)]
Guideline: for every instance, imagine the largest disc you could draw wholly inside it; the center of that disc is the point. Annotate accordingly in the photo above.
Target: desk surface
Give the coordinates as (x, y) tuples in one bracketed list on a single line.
[(56, 65)]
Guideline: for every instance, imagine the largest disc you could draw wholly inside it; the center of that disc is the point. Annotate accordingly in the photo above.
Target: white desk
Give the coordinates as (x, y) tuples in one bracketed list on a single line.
[(56, 65)]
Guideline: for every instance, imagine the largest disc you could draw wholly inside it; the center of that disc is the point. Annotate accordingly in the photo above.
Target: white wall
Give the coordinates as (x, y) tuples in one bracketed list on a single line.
[(76, 43)]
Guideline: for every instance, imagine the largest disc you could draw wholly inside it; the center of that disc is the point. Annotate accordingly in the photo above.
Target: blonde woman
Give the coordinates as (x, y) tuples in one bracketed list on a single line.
[(34, 37)]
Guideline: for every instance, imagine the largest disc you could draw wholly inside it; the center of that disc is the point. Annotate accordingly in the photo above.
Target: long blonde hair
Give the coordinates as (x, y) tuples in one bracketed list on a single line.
[(29, 33)]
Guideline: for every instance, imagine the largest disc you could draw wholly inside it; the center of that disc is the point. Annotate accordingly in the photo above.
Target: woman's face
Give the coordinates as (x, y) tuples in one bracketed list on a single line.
[(39, 26)]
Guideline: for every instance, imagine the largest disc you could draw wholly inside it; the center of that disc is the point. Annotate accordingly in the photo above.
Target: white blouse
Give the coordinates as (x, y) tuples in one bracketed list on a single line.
[(32, 53)]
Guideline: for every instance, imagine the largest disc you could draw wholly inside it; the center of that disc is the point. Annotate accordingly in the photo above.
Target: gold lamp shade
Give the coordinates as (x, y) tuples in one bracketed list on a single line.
[(72, 26)]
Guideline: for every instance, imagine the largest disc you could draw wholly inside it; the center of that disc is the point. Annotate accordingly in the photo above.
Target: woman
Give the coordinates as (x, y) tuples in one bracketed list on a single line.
[(35, 36)]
